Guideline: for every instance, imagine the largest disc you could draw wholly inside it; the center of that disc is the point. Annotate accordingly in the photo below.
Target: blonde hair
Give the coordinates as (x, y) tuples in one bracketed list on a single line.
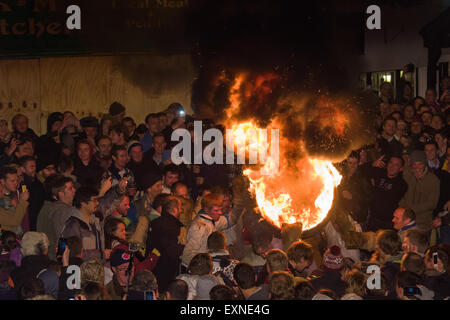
[(92, 271), (34, 243), (211, 200), (356, 281)]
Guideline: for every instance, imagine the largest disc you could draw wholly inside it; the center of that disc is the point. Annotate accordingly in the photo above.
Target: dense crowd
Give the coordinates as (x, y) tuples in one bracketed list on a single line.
[(106, 197)]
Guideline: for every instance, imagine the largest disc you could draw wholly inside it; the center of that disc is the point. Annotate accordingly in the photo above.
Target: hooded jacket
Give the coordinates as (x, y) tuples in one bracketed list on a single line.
[(31, 267), (51, 220), (89, 233), (330, 280)]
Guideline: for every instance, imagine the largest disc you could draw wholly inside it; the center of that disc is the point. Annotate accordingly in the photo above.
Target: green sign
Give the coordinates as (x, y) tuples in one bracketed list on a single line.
[(34, 28)]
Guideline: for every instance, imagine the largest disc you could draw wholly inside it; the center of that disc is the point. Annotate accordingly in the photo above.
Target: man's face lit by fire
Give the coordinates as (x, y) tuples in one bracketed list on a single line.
[(104, 148), (124, 206), (21, 124), (398, 219), (416, 128), (418, 168), (182, 191), (214, 212), (226, 204), (136, 154), (120, 272), (159, 144), (29, 168), (10, 183), (437, 123), (130, 127), (116, 138), (48, 171), (430, 152), (394, 167), (409, 112), (91, 132), (121, 159), (84, 152), (153, 125), (170, 178), (426, 118), (389, 128)]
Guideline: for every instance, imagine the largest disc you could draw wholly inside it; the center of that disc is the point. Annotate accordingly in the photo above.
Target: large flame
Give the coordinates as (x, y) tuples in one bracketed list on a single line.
[(294, 192)]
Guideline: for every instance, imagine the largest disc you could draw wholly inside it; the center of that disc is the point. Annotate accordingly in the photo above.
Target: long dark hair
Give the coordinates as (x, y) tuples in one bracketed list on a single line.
[(111, 226)]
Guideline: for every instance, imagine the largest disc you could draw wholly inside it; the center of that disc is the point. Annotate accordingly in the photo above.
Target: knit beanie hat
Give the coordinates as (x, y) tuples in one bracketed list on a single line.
[(418, 156), (119, 257), (333, 259), (132, 144), (115, 108)]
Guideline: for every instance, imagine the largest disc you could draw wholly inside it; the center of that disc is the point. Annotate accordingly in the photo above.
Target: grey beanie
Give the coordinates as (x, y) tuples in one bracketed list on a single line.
[(418, 156)]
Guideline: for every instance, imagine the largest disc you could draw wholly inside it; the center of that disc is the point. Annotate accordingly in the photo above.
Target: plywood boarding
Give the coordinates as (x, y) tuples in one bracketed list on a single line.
[(19, 90), (88, 85)]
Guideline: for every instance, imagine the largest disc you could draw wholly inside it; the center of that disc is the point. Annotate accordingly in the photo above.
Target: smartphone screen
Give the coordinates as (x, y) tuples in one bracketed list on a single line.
[(62, 243), (411, 291), (148, 295)]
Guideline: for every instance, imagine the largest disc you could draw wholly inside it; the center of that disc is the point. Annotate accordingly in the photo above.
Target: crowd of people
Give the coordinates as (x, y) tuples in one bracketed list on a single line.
[(106, 197)]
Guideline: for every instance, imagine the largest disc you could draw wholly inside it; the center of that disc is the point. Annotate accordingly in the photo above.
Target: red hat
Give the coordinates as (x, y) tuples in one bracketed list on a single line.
[(333, 259)]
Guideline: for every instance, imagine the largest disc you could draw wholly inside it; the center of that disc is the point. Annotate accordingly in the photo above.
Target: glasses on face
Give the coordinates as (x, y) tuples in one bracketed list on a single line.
[(94, 199)]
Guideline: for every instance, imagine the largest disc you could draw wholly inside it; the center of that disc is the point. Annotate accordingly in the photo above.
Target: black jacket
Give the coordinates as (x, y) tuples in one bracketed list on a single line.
[(163, 236), (391, 148), (386, 196), (140, 169), (29, 269), (37, 198), (64, 292), (361, 190), (89, 175), (47, 151), (330, 280)]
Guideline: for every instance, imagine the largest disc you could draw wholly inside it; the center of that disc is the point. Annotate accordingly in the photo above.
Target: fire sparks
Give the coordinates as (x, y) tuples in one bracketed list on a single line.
[(300, 192)]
